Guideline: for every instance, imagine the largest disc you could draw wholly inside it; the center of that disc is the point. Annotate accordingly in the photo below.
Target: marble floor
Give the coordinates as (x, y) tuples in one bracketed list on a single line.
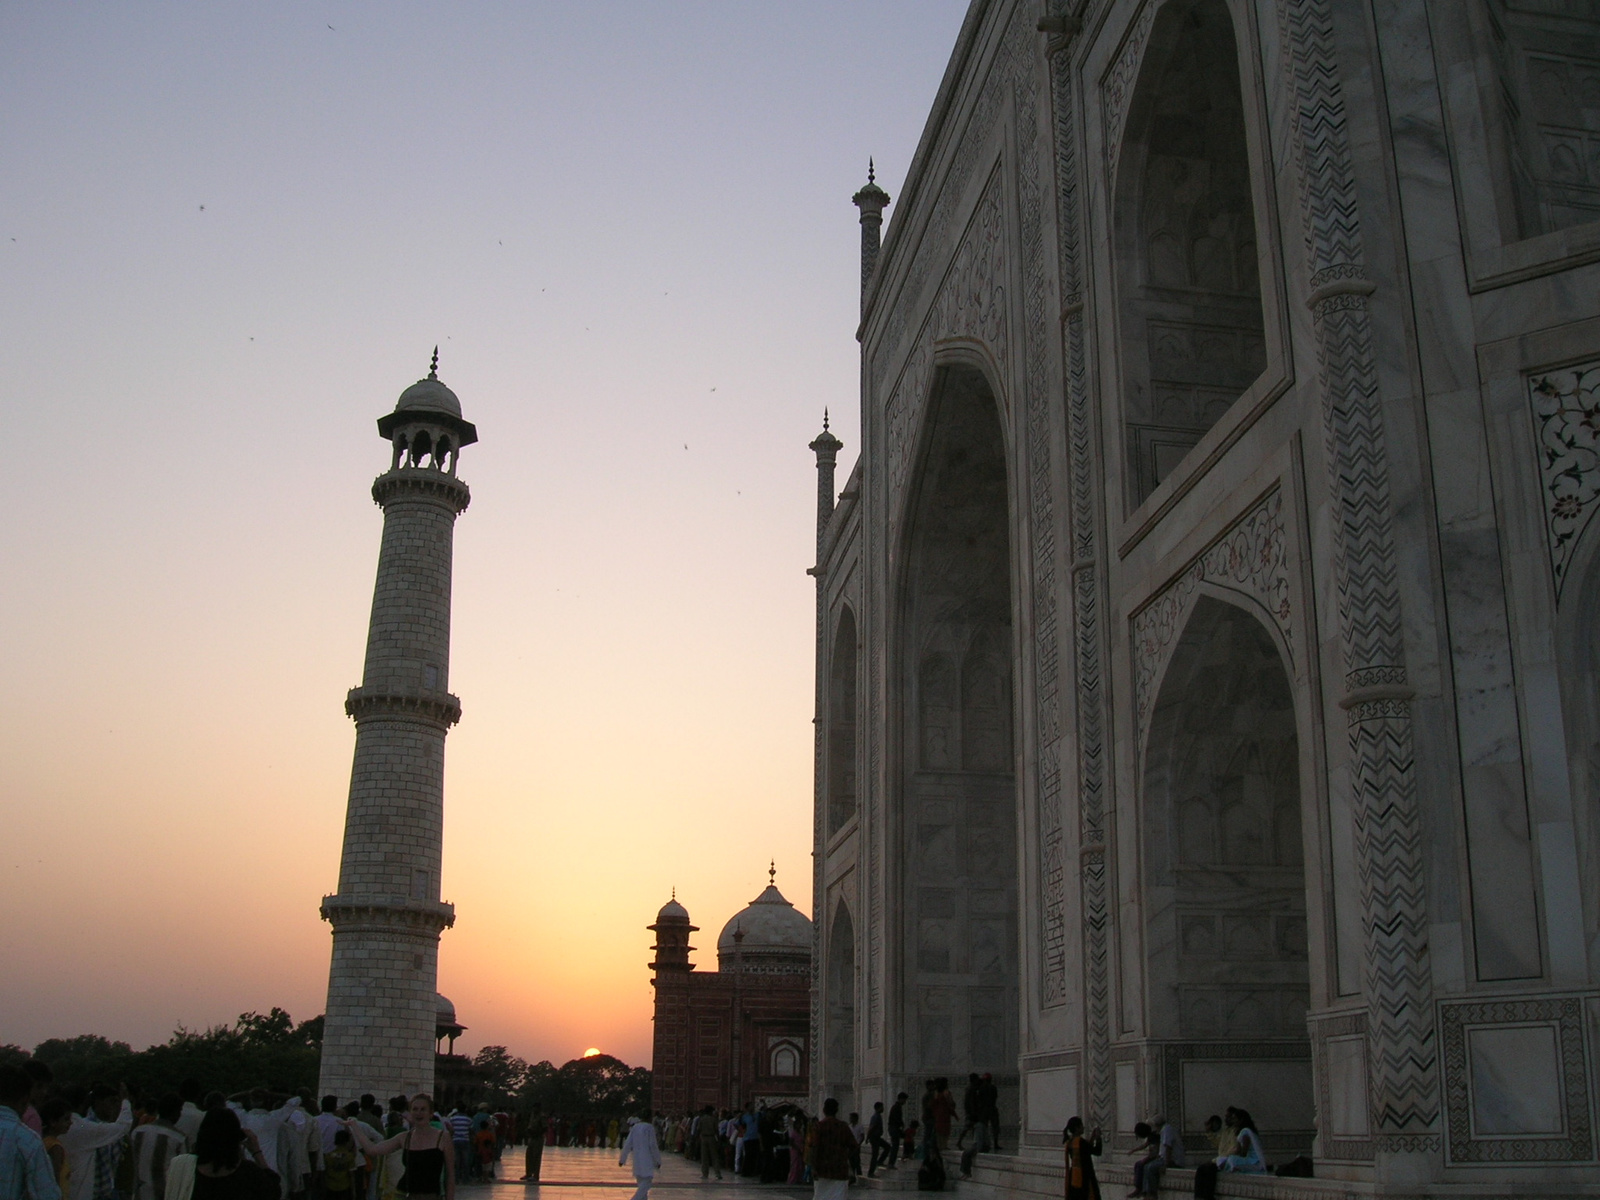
[(569, 1173)]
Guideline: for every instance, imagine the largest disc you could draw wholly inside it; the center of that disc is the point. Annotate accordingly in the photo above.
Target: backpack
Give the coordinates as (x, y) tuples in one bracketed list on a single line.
[(1297, 1167)]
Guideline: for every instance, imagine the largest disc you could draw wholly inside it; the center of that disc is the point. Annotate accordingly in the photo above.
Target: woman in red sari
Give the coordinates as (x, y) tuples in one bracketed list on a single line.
[(1081, 1153)]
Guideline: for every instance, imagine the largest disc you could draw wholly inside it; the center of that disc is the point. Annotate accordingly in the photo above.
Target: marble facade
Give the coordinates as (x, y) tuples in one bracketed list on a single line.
[(1206, 706)]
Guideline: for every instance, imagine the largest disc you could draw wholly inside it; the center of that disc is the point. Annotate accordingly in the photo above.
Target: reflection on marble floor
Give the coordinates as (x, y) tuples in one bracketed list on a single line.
[(580, 1168)]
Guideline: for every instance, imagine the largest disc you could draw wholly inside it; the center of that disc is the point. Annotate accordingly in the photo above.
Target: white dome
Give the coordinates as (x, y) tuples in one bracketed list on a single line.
[(777, 937), (429, 395)]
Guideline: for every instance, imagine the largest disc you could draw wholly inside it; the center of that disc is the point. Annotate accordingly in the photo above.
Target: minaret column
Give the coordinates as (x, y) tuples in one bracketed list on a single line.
[(671, 1067), (871, 200), (387, 914), (826, 447)]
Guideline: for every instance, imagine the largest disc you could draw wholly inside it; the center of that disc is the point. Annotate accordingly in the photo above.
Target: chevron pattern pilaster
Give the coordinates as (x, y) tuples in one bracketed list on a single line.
[(1083, 523), (1403, 1063)]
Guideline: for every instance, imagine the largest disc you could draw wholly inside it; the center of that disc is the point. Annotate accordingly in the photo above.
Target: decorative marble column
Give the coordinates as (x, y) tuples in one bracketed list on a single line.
[(826, 447), (871, 200), (387, 915)]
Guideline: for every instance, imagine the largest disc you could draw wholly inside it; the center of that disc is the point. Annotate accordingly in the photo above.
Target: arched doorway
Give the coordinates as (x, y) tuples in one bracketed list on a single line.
[(1225, 884), (839, 1068), (956, 819), (1188, 289), (842, 724)]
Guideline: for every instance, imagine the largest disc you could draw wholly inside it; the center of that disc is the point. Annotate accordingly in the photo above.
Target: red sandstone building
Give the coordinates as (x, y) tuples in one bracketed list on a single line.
[(740, 1032)]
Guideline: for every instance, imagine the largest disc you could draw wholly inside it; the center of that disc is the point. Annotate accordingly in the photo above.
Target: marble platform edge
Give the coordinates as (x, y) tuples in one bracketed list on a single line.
[(1009, 1176)]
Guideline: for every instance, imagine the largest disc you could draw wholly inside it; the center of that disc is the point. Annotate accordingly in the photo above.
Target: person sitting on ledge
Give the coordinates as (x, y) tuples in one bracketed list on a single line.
[(1247, 1156), (1145, 1148), (1167, 1151)]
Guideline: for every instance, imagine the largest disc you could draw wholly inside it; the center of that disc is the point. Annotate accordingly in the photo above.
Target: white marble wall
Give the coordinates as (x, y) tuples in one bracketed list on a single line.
[(1402, 499)]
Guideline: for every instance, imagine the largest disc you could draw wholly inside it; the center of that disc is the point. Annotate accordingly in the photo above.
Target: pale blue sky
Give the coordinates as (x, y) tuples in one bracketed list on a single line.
[(229, 236)]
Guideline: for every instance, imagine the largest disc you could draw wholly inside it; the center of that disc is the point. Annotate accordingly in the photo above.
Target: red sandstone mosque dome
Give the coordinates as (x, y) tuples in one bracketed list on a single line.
[(672, 911), (769, 936)]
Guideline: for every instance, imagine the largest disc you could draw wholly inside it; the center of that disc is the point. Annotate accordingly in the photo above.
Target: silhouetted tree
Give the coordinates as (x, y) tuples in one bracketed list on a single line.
[(598, 1086), (503, 1074), (259, 1050)]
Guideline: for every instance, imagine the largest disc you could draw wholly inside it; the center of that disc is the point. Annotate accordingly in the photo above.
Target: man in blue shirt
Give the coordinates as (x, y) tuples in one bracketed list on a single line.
[(25, 1171)]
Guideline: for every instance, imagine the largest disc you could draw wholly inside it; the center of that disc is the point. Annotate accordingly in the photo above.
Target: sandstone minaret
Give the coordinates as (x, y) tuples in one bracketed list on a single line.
[(387, 915)]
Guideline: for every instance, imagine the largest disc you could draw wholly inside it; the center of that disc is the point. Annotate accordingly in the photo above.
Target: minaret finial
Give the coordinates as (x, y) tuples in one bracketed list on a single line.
[(674, 892), (824, 418), (872, 172), (433, 367), (772, 872)]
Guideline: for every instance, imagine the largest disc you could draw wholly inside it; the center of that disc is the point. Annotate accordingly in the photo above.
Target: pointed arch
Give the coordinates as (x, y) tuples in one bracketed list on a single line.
[(1190, 324), (1224, 868), (954, 809), (839, 1051), (841, 778)]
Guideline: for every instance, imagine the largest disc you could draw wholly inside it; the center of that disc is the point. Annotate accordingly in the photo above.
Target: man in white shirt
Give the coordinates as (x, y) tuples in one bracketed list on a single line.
[(298, 1136), (191, 1116), (83, 1137), (643, 1148), (326, 1124), (1169, 1153), (329, 1122), (265, 1123)]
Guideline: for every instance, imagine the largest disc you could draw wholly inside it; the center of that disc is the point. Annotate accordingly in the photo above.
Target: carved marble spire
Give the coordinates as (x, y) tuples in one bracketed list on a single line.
[(827, 448), (871, 200)]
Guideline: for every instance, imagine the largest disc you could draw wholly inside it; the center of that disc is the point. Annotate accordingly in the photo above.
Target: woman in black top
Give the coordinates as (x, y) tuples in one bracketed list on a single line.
[(426, 1152), (222, 1172)]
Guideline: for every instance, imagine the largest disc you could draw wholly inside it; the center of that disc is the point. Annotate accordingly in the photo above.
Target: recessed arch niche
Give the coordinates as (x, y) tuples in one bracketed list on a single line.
[(841, 777), (1190, 331), (1224, 870), (956, 811), (839, 1066)]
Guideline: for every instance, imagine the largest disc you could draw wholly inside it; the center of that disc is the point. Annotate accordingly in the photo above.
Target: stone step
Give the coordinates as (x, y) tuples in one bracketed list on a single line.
[(1011, 1176)]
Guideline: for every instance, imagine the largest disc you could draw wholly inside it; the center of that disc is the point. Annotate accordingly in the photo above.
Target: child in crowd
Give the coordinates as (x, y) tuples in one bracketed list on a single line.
[(339, 1168), (909, 1139), (55, 1116)]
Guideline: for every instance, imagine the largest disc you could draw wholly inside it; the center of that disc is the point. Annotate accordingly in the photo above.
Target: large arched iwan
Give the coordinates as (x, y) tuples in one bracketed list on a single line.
[(956, 813)]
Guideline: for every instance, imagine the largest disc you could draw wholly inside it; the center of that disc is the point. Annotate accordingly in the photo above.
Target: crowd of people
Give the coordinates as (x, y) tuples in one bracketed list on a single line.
[(782, 1144), (103, 1143)]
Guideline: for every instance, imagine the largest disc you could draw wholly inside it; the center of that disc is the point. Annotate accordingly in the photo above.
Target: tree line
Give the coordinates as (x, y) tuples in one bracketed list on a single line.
[(273, 1051)]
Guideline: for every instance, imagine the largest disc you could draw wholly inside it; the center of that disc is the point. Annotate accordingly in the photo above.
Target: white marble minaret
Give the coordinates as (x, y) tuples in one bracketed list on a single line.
[(387, 915)]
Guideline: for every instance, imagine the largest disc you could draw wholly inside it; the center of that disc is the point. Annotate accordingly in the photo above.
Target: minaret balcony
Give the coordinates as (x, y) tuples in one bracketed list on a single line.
[(423, 483), (378, 913), (436, 708)]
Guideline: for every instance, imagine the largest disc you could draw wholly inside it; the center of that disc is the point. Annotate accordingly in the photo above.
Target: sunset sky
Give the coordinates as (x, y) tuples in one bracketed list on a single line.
[(230, 235)]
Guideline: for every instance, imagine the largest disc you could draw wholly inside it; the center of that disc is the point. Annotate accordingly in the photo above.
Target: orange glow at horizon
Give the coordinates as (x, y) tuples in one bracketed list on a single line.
[(250, 270)]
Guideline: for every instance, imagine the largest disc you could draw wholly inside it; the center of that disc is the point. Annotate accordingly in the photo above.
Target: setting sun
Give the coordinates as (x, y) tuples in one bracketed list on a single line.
[(591, 1052)]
